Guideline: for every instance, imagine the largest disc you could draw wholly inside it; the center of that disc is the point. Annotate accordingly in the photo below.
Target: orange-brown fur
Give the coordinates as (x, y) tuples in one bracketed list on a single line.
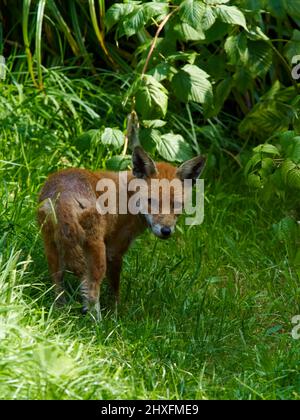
[(79, 239), (83, 241)]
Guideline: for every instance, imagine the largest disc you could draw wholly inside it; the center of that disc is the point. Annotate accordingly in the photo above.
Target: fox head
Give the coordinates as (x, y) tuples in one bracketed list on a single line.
[(161, 206)]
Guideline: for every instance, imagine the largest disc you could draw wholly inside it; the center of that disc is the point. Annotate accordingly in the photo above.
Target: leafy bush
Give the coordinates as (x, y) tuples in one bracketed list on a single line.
[(208, 61), (274, 170)]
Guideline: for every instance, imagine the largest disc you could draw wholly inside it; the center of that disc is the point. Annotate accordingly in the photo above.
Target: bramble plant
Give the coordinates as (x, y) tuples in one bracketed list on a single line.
[(195, 58)]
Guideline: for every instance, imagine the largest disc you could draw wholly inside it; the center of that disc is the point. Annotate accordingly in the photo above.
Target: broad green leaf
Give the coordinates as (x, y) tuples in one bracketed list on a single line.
[(294, 150), (188, 57), (232, 15), (208, 18), (293, 8), (112, 137), (191, 12), (257, 34), (236, 49), (116, 12), (286, 167), (149, 138), (251, 164), (157, 9), (154, 123), (293, 46), (118, 163), (260, 57), (174, 148), (276, 8), (85, 140), (192, 84), (293, 179), (266, 148), (217, 32), (255, 56), (186, 32), (272, 113), (162, 71), (151, 98), (287, 137), (135, 21), (286, 229), (215, 2), (290, 144), (254, 181)]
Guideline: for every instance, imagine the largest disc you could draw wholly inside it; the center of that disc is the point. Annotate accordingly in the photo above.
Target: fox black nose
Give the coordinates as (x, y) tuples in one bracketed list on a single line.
[(166, 231)]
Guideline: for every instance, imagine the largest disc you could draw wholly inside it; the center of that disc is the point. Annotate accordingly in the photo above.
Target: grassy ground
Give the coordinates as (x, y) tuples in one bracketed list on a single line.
[(205, 315)]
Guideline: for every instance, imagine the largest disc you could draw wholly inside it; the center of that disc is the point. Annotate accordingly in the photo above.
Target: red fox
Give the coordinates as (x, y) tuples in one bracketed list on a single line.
[(92, 245)]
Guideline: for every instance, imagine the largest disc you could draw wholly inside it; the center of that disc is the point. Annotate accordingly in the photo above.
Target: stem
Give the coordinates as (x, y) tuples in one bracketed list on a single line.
[(286, 66), (153, 44)]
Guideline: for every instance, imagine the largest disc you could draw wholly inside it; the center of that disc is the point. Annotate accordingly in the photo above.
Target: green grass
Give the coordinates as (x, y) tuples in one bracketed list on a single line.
[(204, 315)]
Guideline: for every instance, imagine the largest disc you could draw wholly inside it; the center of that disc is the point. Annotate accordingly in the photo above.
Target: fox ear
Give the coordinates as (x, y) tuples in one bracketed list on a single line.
[(191, 169), (142, 165)]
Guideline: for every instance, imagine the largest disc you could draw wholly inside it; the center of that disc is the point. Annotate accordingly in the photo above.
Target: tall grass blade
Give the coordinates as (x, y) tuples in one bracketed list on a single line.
[(63, 26), (25, 18), (38, 40), (99, 30)]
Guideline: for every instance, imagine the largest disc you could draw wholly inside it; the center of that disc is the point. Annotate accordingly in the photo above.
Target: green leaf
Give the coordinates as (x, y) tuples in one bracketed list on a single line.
[(173, 147), (135, 21), (208, 18), (192, 84), (149, 138), (266, 148), (217, 32), (293, 46), (85, 140), (260, 57), (251, 164), (286, 167), (154, 123), (116, 12), (254, 181), (293, 178), (276, 8), (118, 163), (272, 113), (191, 12), (214, 2), (161, 72), (236, 49), (255, 56), (290, 144), (293, 8), (286, 229), (293, 151), (186, 32), (112, 137), (151, 98), (232, 15), (267, 166)]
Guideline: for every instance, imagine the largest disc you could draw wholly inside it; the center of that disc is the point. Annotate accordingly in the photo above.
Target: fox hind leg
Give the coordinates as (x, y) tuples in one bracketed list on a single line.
[(91, 281), (57, 271)]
